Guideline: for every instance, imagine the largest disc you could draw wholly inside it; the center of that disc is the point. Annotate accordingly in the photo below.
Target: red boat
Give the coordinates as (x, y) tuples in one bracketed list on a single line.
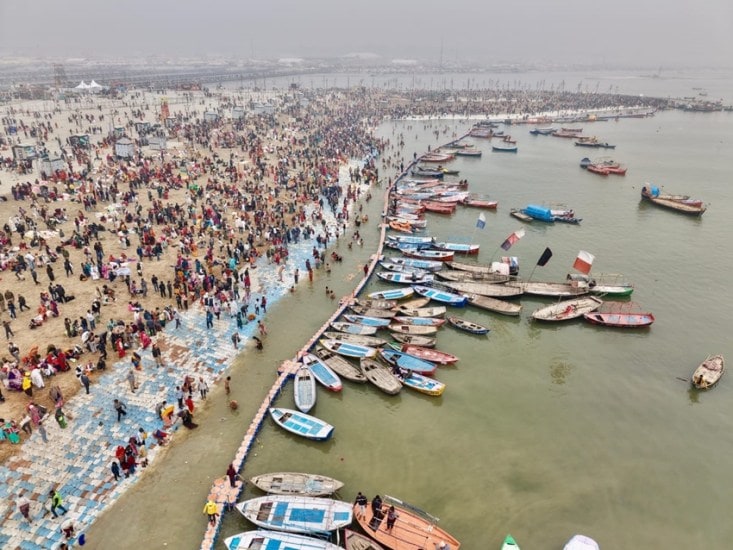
[(437, 255), (620, 319), (440, 207), (616, 170), (481, 203), (598, 169), (427, 354)]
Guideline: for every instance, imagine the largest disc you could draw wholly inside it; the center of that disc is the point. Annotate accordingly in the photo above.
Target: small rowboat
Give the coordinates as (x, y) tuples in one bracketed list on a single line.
[(419, 321), (509, 543), (439, 207), (408, 362), (295, 483), (418, 241), (297, 514), (403, 226), (418, 330), (263, 538), (434, 255), (348, 349), (414, 303), (405, 278), (423, 341), (376, 303), (322, 372), (423, 384), (481, 203), (373, 312), (492, 304), (473, 276), (620, 319), (468, 153), (380, 376), (467, 326), (485, 289), (399, 268), (581, 542), (371, 341), (709, 372), (429, 265), (304, 389), (458, 248), (427, 354), (353, 328), (368, 321), (437, 311), (392, 293), (504, 148), (413, 223), (301, 424), (517, 213), (569, 309), (441, 296), (553, 290), (355, 541), (339, 365)]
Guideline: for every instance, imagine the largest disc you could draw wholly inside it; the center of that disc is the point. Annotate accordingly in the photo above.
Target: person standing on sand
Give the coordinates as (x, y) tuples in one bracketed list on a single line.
[(49, 272), (8, 331), (227, 383), (203, 387)]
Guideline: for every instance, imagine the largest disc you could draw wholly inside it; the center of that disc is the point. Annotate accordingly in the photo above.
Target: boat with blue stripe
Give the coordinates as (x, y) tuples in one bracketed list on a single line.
[(428, 265), (409, 362), (348, 349), (441, 296), (297, 514), (424, 384), (264, 539), (301, 424), (322, 372), (392, 293), (406, 278), (368, 321)]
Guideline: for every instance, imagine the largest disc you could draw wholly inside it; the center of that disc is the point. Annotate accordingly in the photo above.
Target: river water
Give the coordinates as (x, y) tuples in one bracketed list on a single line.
[(543, 431)]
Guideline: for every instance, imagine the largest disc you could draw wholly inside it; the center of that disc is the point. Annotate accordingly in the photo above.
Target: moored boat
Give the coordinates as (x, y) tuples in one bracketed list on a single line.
[(520, 215), (467, 326), (493, 290), (373, 312), (419, 321), (685, 206), (304, 389), (301, 424), (508, 148), (413, 303), (362, 340), (429, 265), (375, 303), (296, 483), (568, 309), (322, 372), (353, 328), (427, 354), (423, 384), (620, 319), (339, 365), (709, 372), (405, 278), (459, 276), (392, 293), (297, 514), (480, 203), (441, 296), (408, 362), (422, 341), (458, 248), (368, 321), (381, 376), (509, 543), (348, 349), (434, 255), (492, 304), (552, 290), (357, 541), (416, 330), (264, 538), (437, 311)]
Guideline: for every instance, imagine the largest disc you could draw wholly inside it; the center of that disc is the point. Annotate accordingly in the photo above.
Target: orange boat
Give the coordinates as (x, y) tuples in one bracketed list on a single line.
[(412, 529), (401, 226)]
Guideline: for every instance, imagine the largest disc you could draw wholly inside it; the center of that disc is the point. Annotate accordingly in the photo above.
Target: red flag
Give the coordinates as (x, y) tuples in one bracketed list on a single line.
[(583, 262)]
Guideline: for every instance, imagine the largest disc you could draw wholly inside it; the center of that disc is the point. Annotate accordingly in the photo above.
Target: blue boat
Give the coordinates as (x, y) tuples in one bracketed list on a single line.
[(539, 213), (365, 320), (272, 540), (297, 514), (304, 389), (301, 424), (423, 384), (408, 362), (322, 372), (348, 349), (428, 265), (408, 239), (441, 296), (354, 328), (406, 278), (392, 294)]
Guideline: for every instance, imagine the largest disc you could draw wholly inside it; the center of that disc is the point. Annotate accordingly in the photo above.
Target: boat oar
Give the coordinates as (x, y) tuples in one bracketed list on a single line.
[(682, 379)]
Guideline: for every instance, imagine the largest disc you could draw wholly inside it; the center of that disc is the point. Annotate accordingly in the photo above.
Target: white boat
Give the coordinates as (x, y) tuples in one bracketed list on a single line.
[(392, 294), (322, 372), (297, 514), (353, 328), (263, 539), (301, 424), (709, 372), (581, 542), (348, 349), (296, 483), (340, 366), (304, 389), (362, 340), (567, 309)]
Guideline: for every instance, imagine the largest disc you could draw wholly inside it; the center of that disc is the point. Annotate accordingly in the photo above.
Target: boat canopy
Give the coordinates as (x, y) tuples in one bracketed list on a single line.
[(654, 190), (538, 212)]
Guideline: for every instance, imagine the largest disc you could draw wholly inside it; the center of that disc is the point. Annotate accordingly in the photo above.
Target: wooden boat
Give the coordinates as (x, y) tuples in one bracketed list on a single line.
[(375, 303), (322, 372), (543, 131), (423, 341), (709, 372), (423, 384), (419, 321), (520, 215), (264, 538), (373, 312), (472, 268), (598, 169), (405, 278), (437, 311), (427, 354), (348, 349), (492, 304), (412, 222), (435, 255), (620, 319), (439, 207), (297, 514), (509, 543), (392, 293), (339, 365), (295, 483), (604, 284), (301, 424), (429, 265), (401, 268), (684, 207), (441, 296), (304, 389), (539, 213), (408, 362), (466, 152), (368, 321), (436, 157), (362, 340), (473, 276), (417, 241), (353, 328), (413, 530), (485, 289), (581, 542), (413, 303), (553, 290), (423, 173), (568, 309), (617, 170), (381, 376), (356, 541), (509, 148), (403, 226), (467, 326), (458, 248), (481, 203), (415, 330)]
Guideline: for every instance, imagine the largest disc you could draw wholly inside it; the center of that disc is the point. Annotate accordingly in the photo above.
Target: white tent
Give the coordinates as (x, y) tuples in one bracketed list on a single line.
[(94, 85), (82, 86)]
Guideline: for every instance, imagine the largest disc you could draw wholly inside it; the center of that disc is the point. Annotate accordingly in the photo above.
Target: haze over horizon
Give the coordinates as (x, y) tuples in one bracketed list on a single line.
[(622, 33)]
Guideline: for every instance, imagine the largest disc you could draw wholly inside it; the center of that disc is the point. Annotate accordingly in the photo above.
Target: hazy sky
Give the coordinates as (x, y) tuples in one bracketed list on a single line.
[(618, 32)]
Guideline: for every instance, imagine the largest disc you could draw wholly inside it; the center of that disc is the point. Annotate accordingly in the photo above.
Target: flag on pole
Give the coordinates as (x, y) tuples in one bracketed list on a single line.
[(546, 255), (583, 262), (511, 239), (481, 221)]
